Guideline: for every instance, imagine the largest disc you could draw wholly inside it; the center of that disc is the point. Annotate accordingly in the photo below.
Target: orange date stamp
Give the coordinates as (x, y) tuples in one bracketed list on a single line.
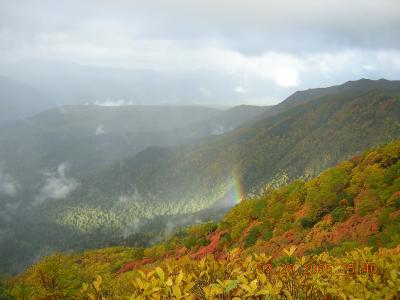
[(350, 268)]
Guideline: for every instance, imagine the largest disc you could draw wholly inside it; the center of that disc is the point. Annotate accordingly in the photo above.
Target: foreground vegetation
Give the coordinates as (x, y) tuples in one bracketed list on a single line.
[(306, 240), (360, 274)]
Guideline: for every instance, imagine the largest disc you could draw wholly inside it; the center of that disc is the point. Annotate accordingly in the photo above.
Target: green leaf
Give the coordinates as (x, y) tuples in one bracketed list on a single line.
[(232, 284)]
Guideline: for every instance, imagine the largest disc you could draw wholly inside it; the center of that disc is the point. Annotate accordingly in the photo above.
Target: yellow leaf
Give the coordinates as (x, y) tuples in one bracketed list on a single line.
[(97, 283), (92, 297), (289, 252), (262, 292), (160, 274), (140, 283), (246, 287), (169, 282), (179, 278), (189, 286), (263, 278), (288, 295), (393, 275), (84, 286), (253, 284), (177, 291), (150, 274)]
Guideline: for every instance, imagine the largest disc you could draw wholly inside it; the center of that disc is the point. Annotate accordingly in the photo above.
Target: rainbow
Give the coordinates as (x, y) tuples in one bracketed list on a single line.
[(236, 191)]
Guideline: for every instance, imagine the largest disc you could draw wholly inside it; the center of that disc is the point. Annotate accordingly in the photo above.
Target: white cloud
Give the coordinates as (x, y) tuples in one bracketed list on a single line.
[(217, 129), (100, 130), (135, 196), (240, 89), (57, 185), (8, 185), (120, 102)]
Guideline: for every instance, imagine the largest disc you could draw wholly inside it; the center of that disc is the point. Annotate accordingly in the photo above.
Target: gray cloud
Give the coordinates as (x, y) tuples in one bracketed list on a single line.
[(57, 185), (263, 23), (258, 46)]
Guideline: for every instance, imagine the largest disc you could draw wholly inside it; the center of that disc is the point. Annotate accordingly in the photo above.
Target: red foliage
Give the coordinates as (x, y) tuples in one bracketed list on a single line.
[(357, 228), (180, 252), (394, 214), (301, 213), (135, 265), (246, 231), (210, 248)]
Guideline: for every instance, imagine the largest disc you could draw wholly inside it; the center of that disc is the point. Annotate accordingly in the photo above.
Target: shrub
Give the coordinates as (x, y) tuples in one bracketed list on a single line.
[(258, 208), (225, 239), (224, 225), (267, 235), (343, 247), (366, 202), (340, 213), (307, 223), (266, 231), (251, 237)]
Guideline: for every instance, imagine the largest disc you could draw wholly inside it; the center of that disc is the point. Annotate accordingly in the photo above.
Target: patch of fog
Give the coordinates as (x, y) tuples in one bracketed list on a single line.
[(8, 185), (61, 110), (120, 102), (133, 197), (100, 130), (57, 185), (218, 129), (131, 228)]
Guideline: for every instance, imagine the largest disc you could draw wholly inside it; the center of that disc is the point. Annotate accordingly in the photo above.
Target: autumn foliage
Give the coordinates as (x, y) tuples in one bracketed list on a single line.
[(327, 221)]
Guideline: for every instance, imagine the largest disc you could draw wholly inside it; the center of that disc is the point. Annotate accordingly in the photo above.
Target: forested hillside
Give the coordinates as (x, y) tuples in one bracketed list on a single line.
[(296, 143), (304, 240)]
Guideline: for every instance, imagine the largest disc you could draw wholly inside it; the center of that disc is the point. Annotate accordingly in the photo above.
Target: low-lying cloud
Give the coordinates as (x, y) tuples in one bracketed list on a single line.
[(120, 102), (57, 185), (8, 185), (100, 130)]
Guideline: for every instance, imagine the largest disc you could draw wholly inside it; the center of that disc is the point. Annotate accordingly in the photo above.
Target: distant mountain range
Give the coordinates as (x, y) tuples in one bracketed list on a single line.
[(19, 100), (64, 83)]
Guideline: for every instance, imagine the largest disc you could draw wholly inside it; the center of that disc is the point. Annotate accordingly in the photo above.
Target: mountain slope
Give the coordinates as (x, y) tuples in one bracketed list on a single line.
[(296, 143), (304, 240)]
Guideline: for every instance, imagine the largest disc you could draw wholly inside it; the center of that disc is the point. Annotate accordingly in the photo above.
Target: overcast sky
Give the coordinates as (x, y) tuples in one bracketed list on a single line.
[(281, 45)]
